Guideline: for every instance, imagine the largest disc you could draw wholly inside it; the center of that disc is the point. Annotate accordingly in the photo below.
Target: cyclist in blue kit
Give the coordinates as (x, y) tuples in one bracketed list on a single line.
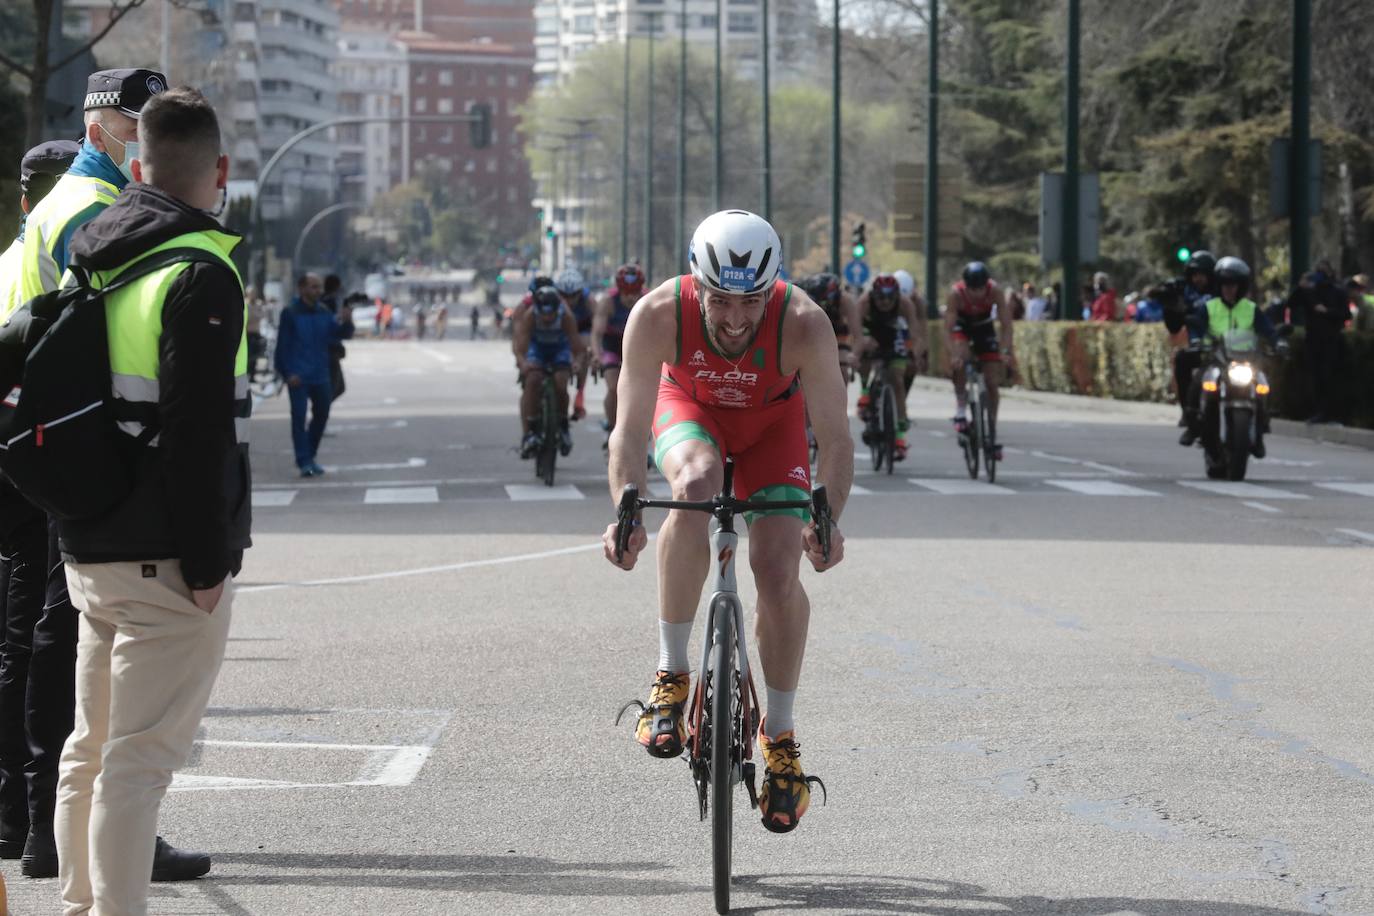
[(546, 340)]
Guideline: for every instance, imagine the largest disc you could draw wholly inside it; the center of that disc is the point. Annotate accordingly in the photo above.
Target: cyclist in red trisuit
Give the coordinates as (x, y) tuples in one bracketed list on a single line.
[(716, 365)]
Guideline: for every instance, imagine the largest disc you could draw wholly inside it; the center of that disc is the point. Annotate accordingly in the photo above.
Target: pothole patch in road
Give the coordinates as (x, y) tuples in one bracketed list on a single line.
[(257, 748)]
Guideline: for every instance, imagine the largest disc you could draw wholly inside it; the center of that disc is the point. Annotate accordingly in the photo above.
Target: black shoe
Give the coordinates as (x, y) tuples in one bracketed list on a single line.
[(40, 855), (565, 442), (11, 846), (1182, 421), (1257, 449), (172, 864), (1189, 437)]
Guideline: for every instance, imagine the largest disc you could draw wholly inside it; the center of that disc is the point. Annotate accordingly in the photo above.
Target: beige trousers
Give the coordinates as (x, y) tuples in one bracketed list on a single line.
[(146, 660)]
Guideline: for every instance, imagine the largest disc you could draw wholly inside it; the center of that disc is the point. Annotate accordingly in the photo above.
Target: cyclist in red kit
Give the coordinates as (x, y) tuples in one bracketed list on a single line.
[(725, 362)]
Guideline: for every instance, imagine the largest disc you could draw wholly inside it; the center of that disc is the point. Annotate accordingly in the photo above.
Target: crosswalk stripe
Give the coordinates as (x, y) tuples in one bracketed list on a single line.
[(1359, 489), (524, 492), (856, 490), (274, 499), (400, 495), (953, 486), (1101, 488), (1240, 489)]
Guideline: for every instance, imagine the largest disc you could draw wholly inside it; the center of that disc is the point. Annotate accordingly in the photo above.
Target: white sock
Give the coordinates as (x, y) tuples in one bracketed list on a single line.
[(779, 715), (672, 646)]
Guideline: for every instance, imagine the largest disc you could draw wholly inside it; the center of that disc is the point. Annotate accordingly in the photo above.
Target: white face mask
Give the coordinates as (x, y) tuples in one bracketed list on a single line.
[(130, 153)]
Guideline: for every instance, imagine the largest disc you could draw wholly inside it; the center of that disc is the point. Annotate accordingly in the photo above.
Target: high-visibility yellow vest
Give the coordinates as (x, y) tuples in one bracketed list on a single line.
[(133, 316), (11, 263), (47, 225), (1235, 325)]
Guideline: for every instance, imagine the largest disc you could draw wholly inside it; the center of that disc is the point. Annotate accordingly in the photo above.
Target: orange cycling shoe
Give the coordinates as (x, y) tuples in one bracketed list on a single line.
[(786, 792), (661, 730)]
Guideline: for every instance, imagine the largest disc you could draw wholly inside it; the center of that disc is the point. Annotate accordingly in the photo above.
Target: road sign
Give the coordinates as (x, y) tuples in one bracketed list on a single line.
[(856, 273), (1052, 216)]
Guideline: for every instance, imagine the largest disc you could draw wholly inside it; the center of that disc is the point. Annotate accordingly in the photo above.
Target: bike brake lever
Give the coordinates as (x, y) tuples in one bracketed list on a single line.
[(820, 516), (625, 514)]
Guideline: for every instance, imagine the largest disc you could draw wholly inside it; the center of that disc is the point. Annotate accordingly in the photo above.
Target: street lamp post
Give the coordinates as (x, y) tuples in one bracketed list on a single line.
[(625, 155), (835, 142), (649, 157), (679, 239), (767, 130), (1068, 300), (719, 152)]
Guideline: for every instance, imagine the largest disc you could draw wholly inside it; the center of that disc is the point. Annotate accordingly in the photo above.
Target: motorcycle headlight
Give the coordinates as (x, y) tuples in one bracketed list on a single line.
[(1240, 375)]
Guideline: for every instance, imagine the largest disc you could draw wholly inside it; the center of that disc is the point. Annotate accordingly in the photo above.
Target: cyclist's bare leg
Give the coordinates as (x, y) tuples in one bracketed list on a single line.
[(958, 355), (784, 611), (992, 377), (529, 397), (612, 376), (694, 470), (560, 385)]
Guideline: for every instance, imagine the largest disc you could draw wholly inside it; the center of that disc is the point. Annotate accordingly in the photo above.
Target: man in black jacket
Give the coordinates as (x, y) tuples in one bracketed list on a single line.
[(153, 578), (1322, 308)]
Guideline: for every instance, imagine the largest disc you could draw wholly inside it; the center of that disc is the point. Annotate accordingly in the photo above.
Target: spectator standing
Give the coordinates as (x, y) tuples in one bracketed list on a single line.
[(23, 547), (474, 319), (96, 177), (1149, 308), (304, 336), (1363, 301), (441, 319), (153, 577), (1038, 304), (1103, 306), (420, 310), (1323, 309)]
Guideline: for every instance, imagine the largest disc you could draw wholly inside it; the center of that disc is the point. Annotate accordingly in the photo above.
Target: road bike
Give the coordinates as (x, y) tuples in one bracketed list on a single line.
[(724, 711), (978, 439), (880, 423), (549, 428)]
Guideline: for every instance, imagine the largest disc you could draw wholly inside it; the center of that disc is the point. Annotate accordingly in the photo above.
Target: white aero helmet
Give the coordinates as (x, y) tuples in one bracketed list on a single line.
[(735, 251), (905, 282), (569, 281)]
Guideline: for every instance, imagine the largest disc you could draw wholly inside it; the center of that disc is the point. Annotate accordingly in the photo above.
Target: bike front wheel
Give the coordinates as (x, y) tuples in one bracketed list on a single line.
[(723, 701), (988, 428), (889, 414), (551, 429), (970, 440)]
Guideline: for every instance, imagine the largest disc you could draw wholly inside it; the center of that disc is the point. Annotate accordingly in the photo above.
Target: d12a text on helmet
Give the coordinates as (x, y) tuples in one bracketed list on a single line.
[(736, 252)]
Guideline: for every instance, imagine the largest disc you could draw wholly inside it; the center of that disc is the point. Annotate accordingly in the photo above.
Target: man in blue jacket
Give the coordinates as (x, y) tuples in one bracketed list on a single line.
[(306, 332)]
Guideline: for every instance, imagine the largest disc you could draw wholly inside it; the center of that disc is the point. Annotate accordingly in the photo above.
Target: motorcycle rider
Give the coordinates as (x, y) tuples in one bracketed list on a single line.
[(1236, 320), (1196, 286)]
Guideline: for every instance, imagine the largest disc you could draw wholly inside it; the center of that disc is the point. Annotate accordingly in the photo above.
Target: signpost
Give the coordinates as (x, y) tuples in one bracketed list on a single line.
[(856, 273)]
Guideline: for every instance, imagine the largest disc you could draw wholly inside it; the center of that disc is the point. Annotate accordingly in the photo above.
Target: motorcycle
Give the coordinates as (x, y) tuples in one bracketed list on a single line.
[(1235, 417)]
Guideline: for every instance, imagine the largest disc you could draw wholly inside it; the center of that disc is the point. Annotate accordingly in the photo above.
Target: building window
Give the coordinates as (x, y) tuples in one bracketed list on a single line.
[(545, 25), (491, 164), (512, 81), (421, 76), (444, 106), (421, 105), (446, 134), (422, 133), (445, 77), (709, 21), (743, 22), (584, 25)]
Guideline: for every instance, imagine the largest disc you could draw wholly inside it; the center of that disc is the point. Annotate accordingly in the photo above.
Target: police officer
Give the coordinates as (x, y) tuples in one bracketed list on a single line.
[(1184, 296), (23, 547), (95, 178), (152, 578)]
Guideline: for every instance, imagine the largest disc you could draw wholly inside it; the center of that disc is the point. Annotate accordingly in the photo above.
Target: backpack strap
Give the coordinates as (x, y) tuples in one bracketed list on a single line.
[(147, 265)]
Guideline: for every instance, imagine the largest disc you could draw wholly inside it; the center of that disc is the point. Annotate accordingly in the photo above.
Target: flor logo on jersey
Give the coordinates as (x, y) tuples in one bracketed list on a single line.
[(698, 359), (730, 375), (798, 474)]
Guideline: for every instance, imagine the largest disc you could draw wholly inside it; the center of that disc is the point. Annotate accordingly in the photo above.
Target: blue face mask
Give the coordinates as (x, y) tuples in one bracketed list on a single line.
[(126, 168)]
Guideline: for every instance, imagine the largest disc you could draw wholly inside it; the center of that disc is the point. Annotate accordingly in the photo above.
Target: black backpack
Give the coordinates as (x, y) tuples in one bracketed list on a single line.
[(60, 443)]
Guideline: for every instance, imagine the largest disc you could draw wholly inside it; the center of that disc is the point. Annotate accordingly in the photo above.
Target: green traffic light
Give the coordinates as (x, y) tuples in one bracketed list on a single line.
[(1183, 255), (859, 251), (550, 233), (500, 278)]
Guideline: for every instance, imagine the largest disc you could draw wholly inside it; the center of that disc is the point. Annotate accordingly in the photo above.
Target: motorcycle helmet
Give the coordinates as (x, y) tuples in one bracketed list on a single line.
[(976, 275), (1201, 262), (735, 251), (1233, 270)]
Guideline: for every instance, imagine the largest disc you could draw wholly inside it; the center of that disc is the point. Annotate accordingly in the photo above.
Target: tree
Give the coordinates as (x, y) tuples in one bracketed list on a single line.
[(42, 63)]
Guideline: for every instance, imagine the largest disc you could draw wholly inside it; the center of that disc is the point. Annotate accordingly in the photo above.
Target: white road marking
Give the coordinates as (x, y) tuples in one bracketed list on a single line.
[(423, 570), (273, 498), (391, 496), (856, 490), (525, 492), (1240, 489), (383, 466), (1288, 463), (1359, 489), (436, 354), (365, 427), (953, 486), (1361, 535), (1097, 466), (1261, 507), (938, 434), (1101, 488)]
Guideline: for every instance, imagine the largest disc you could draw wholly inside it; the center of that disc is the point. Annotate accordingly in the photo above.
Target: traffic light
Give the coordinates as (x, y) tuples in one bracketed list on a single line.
[(1183, 254), (500, 278), (479, 128), (858, 239), (539, 214), (550, 233)]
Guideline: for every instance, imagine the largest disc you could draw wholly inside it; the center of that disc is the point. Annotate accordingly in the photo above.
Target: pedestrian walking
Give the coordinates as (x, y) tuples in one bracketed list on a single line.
[(153, 578), (474, 320), (96, 177), (1323, 309), (23, 548), (304, 337), (333, 300)]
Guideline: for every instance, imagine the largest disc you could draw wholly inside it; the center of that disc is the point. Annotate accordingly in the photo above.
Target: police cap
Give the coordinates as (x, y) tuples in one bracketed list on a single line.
[(126, 90), (45, 163)]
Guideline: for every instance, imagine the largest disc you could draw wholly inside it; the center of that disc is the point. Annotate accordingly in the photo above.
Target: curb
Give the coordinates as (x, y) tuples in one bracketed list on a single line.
[(1331, 434)]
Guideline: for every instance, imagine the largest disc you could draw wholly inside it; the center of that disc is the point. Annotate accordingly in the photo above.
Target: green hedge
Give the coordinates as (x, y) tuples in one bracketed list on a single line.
[(1134, 362)]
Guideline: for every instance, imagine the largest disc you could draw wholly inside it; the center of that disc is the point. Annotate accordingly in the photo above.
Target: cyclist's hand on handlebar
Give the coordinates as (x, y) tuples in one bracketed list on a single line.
[(811, 546), (639, 538)]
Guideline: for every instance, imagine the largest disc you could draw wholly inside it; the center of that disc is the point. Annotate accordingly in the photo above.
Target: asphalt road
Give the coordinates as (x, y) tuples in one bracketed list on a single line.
[(1104, 686)]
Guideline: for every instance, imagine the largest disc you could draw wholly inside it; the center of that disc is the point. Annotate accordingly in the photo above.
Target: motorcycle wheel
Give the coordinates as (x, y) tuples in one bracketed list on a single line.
[(1213, 449), (1238, 443)]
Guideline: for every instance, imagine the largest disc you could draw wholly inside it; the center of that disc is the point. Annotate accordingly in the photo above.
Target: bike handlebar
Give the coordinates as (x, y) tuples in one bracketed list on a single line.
[(631, 504)]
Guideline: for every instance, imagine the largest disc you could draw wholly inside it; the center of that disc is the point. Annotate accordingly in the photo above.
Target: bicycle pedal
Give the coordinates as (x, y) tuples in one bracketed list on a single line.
[(623, 709)]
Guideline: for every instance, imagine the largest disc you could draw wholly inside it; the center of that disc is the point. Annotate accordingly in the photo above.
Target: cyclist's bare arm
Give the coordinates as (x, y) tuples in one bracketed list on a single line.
[(574, 338), (600, 315), (854, 319), (809, 347), (920, 326), (951, 316), (862, 339), (649, 342), (520, 339), (1006, 319)]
